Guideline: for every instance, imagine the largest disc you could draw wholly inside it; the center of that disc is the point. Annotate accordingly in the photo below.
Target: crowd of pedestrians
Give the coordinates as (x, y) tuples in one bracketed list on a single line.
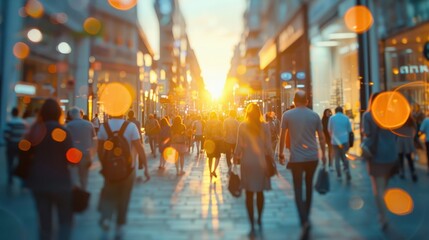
[(250, 143)]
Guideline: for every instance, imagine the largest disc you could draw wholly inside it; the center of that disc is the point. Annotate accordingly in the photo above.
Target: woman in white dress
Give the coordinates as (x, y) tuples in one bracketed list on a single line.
[(253, 145)]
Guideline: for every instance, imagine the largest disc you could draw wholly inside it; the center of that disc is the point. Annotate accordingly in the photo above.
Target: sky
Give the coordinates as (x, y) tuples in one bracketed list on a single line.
[(214, 28)]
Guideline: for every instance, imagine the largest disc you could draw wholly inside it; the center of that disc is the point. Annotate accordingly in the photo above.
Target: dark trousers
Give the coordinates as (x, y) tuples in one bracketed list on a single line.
[(115, 197), (300, 171), (340, 155), (229, 150), (152, 144), (12, 152), (45, 204)]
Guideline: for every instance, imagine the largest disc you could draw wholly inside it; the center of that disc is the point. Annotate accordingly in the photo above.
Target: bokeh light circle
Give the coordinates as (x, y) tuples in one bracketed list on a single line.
[(21, 50), (170, 155), (123, 5), (74, 155), (92, 26), (358, 19), (209, 146), (116, 99), (390, 110), (108, 145), (34, 9), (398, 201), (58, 135), (34, 35), (24, 145)]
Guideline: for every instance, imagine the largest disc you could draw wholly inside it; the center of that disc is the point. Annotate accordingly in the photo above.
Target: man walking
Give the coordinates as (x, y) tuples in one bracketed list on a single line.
[(14, 132), (83, 136), (302, 125), (116, 193), (134, 120), (230, 126), (152, 129), (96, 123), (339, 128)]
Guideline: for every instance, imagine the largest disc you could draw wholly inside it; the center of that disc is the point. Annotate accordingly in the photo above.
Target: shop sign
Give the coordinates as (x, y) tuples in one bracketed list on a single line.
[(25, 89), (410, 69), (291, 33), (426, 51)]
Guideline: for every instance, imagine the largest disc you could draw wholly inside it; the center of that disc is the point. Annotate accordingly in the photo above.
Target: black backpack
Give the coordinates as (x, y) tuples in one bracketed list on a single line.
[(116, 160)]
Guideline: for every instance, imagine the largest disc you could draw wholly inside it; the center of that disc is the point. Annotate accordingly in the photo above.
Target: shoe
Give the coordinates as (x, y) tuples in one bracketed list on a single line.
[(349, 177)]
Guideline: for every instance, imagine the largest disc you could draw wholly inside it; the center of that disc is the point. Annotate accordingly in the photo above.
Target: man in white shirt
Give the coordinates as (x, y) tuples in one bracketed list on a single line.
[(115, 196), (339, 128)]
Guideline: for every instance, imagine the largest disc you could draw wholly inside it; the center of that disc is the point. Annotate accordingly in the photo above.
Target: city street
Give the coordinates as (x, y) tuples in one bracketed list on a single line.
[(193, 207)]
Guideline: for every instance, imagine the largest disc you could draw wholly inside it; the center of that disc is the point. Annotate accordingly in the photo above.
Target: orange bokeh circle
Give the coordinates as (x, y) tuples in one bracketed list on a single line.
[(170, 155), (92, 26), (74, 155), (398, 201), (123, 5), (116, 99), (390, 110), (58, 135), (358, 19), (21, 50)]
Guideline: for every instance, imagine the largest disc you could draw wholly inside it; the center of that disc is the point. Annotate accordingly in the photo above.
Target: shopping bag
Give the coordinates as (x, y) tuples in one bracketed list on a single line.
[(271, 166), (322, 181), (80, 200), (234, 184)]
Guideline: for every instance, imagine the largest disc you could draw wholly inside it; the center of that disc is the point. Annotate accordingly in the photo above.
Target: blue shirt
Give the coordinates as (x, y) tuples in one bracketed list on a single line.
[(302, 124), (424, 128), (339, 127)]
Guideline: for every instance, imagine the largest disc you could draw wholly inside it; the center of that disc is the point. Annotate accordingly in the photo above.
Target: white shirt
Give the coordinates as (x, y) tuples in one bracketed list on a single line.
[(131, 133)]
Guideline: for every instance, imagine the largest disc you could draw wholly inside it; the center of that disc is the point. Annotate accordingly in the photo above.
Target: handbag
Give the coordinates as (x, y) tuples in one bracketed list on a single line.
[(271, 166), (322, 185), (80, 200), (351, 138), (22, 170), (234, 184)]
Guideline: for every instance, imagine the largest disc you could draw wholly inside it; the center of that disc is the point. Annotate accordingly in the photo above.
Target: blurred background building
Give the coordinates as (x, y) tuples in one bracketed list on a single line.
[(181, 84)]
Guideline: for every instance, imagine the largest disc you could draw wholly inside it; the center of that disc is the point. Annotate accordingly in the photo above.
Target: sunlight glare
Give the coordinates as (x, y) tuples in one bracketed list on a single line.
[(390, 110), (358, 19), (170, 155)]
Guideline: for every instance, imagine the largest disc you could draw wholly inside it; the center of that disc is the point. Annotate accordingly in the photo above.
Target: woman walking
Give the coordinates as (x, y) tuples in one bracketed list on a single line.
[(213, 141), (383, 162), (253, 145), (49, 177), (164, 141), (405, 146), (178, 142), (327, 113)]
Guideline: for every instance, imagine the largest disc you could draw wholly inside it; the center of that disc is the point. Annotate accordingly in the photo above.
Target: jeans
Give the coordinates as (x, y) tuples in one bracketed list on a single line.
[(12, 152), (229, 149), (298, 171), (45, 203), (115, 197), (340, 154)]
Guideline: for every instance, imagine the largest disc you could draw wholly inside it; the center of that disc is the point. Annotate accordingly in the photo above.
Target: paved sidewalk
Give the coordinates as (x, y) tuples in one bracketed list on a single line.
[(193, 207)]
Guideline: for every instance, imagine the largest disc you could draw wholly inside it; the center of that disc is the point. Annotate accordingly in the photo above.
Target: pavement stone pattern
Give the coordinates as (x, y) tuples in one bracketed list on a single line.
[(194, 207)]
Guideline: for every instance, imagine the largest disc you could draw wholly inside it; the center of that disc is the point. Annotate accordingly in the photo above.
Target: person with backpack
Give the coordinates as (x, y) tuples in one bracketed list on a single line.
[(152, 129), (118, 142), (14, 132)]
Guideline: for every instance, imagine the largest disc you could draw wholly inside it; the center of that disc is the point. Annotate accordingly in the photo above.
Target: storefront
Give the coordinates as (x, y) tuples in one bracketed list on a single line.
[(405, 66)]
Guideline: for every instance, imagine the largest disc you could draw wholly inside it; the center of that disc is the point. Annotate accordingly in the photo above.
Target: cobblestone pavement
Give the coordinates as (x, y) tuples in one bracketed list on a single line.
[(194, 207)]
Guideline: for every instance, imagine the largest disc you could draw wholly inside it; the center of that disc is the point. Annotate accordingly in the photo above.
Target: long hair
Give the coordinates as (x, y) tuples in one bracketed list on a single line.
[(254, 118), (50, 111)]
